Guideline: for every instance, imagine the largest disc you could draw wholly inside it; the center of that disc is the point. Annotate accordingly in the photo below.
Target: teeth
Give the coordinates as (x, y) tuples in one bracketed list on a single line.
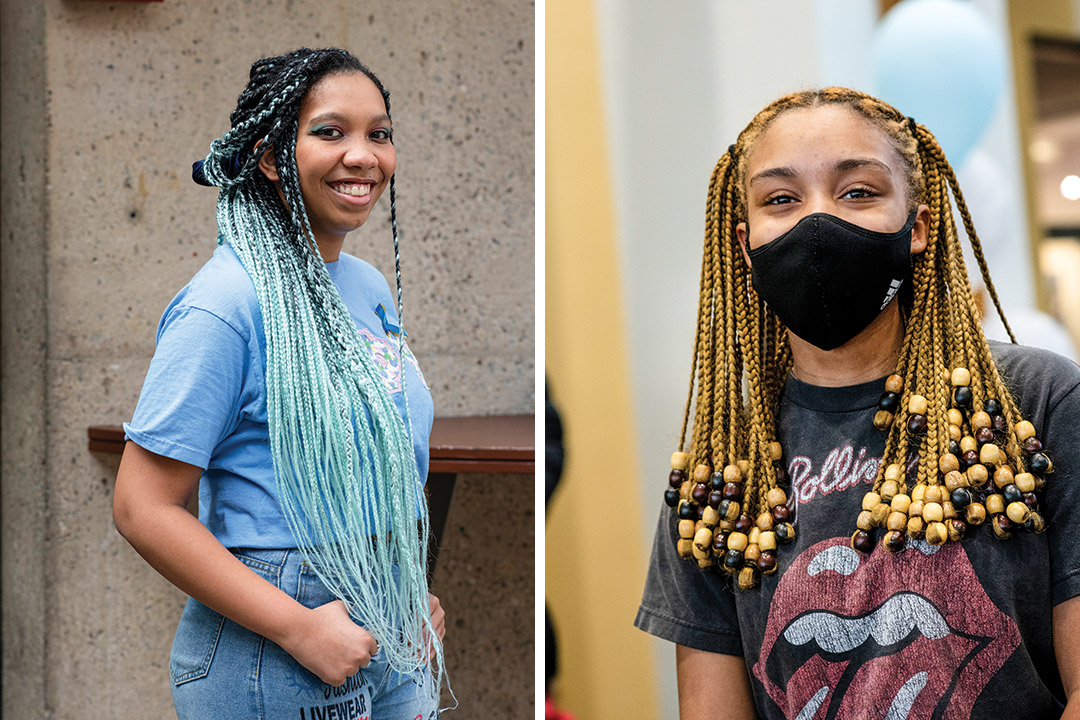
[(838, 558), (354, 190), (889, 624)]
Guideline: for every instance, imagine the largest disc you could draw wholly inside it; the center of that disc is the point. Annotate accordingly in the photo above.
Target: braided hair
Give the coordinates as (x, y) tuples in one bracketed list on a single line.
[(343, 459), (957, 452)]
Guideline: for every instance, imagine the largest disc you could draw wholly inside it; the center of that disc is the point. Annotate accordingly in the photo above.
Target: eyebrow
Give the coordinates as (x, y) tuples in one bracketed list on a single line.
[(842, 166), (338, 117)]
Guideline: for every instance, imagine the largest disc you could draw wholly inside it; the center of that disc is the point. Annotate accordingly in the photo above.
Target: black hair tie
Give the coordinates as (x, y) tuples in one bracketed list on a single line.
[(232, 168)]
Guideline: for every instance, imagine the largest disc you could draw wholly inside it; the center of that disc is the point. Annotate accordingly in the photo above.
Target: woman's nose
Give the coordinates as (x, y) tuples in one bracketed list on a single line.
[(359, 154)]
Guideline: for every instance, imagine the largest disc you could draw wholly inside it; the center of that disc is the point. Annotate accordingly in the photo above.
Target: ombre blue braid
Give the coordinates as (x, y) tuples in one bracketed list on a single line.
[(343, 459)]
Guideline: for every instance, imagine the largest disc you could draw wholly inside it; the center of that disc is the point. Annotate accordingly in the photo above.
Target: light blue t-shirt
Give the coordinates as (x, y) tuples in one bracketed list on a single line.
[(204, 398)]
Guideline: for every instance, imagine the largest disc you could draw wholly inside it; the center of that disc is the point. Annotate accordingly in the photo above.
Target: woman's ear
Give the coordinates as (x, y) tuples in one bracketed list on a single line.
[(743, 234), (920, 233), (267, 163)]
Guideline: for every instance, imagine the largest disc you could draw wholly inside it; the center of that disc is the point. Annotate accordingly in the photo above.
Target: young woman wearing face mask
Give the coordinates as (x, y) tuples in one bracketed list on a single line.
[(876, 512), (283, 389)]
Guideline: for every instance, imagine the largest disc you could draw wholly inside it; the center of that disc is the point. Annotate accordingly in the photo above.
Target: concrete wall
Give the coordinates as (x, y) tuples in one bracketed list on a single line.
[(105, 107)]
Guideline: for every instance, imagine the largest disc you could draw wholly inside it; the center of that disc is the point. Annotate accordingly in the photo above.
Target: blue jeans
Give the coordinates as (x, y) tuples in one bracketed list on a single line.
[(223, 671)]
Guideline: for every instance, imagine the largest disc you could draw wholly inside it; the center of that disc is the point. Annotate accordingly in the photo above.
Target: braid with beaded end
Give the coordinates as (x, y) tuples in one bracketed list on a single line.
[(343, 458), (957, 452)]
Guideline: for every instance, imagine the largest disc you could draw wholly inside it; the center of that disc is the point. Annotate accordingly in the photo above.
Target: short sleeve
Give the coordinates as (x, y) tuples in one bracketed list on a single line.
[(1063, 495), (191, 398), (684, 604)]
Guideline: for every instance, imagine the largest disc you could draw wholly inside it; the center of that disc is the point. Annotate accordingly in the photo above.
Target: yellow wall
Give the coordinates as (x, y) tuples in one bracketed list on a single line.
[(595, 567)]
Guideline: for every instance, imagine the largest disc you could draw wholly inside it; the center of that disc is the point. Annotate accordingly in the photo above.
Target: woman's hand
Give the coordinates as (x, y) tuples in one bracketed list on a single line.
[(438, 621), (330, 644)]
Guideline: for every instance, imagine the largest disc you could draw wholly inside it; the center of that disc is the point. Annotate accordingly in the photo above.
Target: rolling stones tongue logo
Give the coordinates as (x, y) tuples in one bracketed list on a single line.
[(846, 631)]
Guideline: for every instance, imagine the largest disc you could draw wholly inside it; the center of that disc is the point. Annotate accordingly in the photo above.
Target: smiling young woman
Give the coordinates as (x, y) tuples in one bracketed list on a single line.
[(282, 388), (865, 518)]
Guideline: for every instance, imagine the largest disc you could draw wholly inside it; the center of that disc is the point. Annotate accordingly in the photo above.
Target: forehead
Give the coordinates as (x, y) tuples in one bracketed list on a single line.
[(351, 92), (805, 137)]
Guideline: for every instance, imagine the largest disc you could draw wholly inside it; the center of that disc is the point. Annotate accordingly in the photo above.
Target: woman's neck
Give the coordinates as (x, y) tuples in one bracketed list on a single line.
[(870, 355)]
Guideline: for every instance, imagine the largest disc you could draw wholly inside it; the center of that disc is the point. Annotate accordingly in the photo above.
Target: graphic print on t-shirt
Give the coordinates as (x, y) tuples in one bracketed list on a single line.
[(915, 628), (386, 357)]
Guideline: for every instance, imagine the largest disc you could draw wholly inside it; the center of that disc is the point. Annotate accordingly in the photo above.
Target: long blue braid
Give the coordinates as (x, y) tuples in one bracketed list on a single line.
[(343, 459)]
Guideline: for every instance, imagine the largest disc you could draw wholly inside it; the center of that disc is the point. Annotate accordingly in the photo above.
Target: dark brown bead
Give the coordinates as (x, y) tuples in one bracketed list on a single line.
[(744, 524), (700, 493), (894, 541), (687, 511), (715, 496), (954, 448), (1038, 463), (719, 542), (1033, 445), (962, 397), (957, 529), (785, 533), (917, 424), (1004, 523), (961, 498), (700, 511), (969, 458), (781, 513), (671, 497), (675, 479), (1030, 500), (1012, 494), (862, 541), (733, 560), (766, 562), (992, 406), (889, 401), (716, 481), (984, 435), (733, 491), (999, 423), (781, 474)]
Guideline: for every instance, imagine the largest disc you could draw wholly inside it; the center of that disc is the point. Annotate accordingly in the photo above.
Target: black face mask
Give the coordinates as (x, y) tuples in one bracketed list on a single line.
[(827, 279)]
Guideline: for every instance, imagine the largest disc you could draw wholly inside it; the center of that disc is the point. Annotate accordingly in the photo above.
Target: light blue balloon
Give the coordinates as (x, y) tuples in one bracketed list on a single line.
[(941, 62)]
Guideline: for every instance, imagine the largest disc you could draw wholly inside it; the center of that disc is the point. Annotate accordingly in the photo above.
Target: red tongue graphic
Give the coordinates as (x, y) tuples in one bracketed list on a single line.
[(955, 667)]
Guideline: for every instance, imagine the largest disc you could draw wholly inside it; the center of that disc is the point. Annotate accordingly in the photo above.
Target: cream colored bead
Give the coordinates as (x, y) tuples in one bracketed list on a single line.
[(915, 508), (711, 516), (968, 443), (865, 521), (995, 504), (894, 472), (896, 521), (955, 433), (686, 529), (990, 454), (961, 377), (915, 526), (894, 384), (703, 538), (977, 475), (870, 500), (980, 420), (752, 553), (917, 405), (765, 521), (1026, 482), (1024, 430), (975, 514), (732, 473), (776, 496), (955, 479), (685, 488), (932, 512), (747, 579), (733, 511), (679, 460), (955, 417), (889, 490), (949, 510), (879, 514), (1018, 512), (767, 541), (754, 535), (919, 493), (936, 534), (700, 553), (705, 563), (948, 463), (685, 546), (702, 473), (1004, 476), (737, 541), (900, 503), (775, 451), (933, 494)]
